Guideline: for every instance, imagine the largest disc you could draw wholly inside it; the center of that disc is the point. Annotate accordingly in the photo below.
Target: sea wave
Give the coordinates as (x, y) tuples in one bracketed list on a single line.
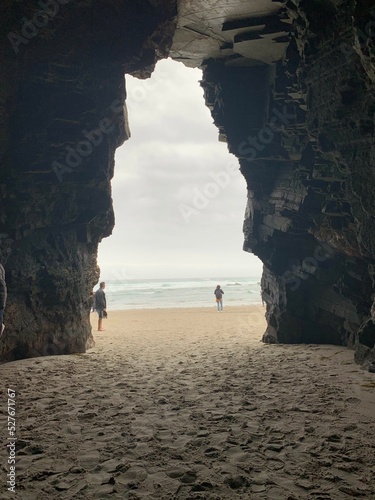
[(154, 285), (189, 292)]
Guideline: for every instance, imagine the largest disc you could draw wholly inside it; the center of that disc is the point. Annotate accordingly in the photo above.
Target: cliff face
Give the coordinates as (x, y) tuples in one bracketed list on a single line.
[(62, 100), (291, 89), (303, 130)]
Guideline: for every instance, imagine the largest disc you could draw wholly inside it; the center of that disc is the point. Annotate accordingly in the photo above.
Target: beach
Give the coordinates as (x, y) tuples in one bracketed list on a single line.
[(179, 293), (190, 404)]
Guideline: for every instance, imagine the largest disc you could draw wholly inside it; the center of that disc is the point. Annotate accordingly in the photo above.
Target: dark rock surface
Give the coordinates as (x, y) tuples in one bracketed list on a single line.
[(303, 130), (62, 98), (291, 88)]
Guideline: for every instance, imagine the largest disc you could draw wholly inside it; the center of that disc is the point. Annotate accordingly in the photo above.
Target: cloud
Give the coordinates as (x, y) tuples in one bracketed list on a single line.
[(174, 160)]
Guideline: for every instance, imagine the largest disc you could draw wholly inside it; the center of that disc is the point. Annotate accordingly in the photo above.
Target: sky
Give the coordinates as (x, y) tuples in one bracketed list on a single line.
[(179, 197)]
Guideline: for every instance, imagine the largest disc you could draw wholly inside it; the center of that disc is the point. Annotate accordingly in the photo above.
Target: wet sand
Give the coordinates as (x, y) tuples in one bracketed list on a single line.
[(188, 403)]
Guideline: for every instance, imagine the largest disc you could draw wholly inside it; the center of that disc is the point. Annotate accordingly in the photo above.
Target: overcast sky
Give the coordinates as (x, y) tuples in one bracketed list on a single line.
[(179, 198)]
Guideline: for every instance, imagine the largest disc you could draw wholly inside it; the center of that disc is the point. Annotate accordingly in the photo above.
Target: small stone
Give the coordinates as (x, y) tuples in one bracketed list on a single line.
[(305, 484), (189, 477), (275, 447), (175, 474)]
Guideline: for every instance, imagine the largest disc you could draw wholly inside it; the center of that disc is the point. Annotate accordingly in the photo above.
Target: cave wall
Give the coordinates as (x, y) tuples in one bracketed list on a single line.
[(62, 96), (307, 154), (318, 284)]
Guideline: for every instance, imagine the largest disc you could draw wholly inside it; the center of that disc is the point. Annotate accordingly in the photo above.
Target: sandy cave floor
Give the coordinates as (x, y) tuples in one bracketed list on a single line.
[(188, 403)]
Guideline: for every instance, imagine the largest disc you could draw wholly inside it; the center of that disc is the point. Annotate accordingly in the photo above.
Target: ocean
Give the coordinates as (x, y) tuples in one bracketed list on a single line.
[(188, 292)]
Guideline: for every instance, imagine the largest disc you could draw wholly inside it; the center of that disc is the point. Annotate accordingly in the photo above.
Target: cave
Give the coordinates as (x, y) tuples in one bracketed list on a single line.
[(290, 86)]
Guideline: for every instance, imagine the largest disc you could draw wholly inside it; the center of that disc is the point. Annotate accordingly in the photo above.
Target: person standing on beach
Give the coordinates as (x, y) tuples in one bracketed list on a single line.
[(3, 297), (100, 305), (218, 292)]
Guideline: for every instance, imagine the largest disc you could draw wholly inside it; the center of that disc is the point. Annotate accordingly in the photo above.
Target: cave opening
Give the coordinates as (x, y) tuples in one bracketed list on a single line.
[(294, 103), (179, 198), (188, 403)]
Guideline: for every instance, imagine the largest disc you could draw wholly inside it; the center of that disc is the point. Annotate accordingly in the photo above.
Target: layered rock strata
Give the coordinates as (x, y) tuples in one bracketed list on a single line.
[(303, 130), (62, 100)]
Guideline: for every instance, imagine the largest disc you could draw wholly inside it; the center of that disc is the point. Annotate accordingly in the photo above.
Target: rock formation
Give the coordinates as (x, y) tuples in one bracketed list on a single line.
[(291, 89), (62, 99), (300, 118)]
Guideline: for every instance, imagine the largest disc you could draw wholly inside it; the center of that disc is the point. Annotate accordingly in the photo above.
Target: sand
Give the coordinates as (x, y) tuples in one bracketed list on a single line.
[(188, 403)]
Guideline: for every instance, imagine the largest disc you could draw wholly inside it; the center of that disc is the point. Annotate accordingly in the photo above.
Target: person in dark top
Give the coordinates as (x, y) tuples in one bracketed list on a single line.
[(100, 305), (3, 297), (218, 292)]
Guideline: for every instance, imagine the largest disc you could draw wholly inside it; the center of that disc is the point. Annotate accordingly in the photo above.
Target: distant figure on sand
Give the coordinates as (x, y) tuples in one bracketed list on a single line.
[(3, 297), (100, 305), (218, 292)]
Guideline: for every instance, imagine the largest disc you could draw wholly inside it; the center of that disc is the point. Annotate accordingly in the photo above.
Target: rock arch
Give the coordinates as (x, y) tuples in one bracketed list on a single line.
[(290, 88)]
